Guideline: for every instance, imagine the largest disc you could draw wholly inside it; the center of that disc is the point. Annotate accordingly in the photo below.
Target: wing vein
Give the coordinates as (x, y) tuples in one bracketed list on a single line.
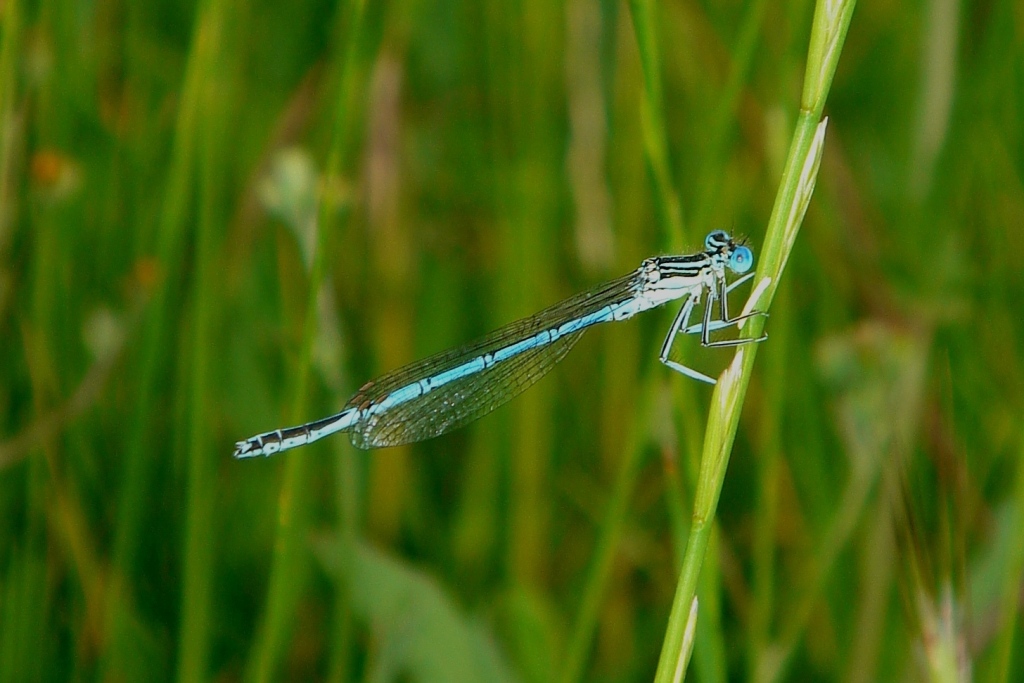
[(394, 411)]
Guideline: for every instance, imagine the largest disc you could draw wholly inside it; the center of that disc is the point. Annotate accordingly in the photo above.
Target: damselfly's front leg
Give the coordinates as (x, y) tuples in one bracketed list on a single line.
[(716, 325), (680, 323), (707, 326)]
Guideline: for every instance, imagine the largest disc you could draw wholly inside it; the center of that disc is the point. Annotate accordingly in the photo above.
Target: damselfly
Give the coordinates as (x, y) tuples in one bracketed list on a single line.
[(450, 389)]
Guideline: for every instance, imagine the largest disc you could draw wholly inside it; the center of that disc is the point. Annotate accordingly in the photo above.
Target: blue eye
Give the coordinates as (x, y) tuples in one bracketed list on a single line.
[(716, 239), (741, 260)]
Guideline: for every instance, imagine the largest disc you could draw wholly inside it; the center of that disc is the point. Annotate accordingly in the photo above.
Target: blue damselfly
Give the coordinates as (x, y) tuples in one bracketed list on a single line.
[(450, 389)]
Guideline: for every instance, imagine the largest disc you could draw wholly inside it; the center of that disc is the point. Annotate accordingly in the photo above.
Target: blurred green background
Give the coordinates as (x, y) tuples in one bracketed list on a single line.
[(220, 217)]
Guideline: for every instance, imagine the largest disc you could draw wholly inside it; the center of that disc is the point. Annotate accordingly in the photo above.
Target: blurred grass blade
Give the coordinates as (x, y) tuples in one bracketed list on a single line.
[(10, 51), (1010, 522), (287, 573), (201, 499), (421, 635), (652, 121), (154, 348), (600, 567)]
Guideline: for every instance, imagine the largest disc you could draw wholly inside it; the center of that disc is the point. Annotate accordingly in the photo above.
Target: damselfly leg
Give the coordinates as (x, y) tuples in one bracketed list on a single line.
[(680, 322), (723, 296), (706, 326), (716, 325)]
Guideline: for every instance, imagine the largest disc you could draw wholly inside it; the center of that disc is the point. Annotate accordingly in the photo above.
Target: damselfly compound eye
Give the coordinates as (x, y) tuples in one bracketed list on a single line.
[(716, 239), (741, 260)]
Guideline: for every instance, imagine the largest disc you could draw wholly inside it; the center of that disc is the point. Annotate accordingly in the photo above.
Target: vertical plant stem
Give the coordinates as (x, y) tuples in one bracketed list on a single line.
[(349, 465), (652, 121), (600, 568), (531, 212), (1003, 656), (768, 457), (201, 496), (831, 22), (10, 48), (287, 575), (43, 480), (723, 120), (655, 138), (671, 221), (152, 355)]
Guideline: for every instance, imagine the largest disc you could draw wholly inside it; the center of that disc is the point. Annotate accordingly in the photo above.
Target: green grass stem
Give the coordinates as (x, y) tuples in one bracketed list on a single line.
[(656, 154), (768, 456), (9, 51), (152, 359), (287, 574), (831, 22), (652, 120), (723, 119), (200, 524), (600, 568), (1003, 658)]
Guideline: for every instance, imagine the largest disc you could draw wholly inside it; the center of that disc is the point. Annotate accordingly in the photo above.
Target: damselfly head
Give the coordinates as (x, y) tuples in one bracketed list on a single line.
[(737, 256), (717, 240)]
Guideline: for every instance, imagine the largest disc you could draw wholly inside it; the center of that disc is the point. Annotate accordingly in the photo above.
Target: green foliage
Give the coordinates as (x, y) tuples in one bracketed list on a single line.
[(417, 632), (217, 218)]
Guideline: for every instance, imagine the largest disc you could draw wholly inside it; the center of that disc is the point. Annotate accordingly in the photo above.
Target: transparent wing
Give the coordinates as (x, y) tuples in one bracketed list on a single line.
[(461, 401), (476, 392)]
